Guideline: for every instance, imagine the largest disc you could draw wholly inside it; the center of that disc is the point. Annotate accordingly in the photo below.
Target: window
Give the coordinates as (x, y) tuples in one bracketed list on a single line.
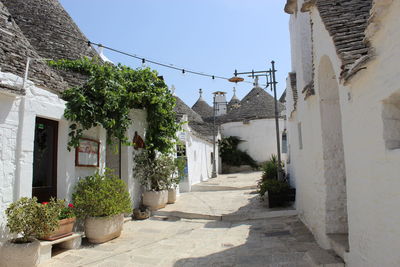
[(284, 142), (300, 135)]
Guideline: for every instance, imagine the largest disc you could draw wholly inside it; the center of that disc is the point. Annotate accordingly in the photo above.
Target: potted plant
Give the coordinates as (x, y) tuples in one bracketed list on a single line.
[(66, 219), (175, 178), (277, 191), (27, 219), (154, 174), (101, 200)]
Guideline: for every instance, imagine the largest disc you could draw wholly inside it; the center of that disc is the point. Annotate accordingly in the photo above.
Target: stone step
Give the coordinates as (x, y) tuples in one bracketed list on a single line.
[(70, 242), (323, 258), (340, 244), (226, 217)]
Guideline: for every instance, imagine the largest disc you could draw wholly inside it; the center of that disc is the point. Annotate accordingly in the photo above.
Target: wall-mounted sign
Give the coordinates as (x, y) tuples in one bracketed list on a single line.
[(138, 142), (87, 153), (182, 136)]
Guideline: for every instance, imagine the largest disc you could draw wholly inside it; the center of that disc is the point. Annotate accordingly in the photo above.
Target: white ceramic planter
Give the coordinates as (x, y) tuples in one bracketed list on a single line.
[(155, 200), (21, 255), (102, 229), (171, 196)]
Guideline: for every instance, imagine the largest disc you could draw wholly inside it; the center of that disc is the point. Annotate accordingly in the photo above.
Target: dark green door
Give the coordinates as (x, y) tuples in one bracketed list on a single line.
[(44, 184)]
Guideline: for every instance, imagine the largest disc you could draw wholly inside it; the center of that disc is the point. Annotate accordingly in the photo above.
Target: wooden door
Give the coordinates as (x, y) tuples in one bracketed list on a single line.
[(44, 185)]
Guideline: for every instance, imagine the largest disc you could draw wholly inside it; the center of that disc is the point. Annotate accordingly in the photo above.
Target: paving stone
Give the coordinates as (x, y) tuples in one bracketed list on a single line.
[(267, 241)]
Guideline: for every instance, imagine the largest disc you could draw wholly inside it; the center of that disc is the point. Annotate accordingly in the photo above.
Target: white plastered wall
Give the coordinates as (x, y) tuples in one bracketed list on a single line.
[(138, 124), (373, 171), (17, 128), (198, 152), (307, 164), (259, 136)]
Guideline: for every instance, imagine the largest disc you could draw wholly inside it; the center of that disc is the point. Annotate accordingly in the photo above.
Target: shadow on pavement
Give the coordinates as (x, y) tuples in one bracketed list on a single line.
[(280, 241)]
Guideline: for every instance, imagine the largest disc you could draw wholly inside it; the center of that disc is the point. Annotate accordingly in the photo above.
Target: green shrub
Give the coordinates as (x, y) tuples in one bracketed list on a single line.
[(273, 186), (31, 219), (101, 195), (231, 155), (64, 211), (155, 173), (270, 168)]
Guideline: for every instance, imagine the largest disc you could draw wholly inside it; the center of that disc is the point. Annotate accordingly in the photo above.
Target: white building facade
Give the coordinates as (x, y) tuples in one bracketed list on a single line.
[(342, 121)]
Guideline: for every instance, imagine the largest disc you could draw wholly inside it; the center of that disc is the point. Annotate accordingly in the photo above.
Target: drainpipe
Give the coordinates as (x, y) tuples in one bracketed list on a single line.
[(19, 155)]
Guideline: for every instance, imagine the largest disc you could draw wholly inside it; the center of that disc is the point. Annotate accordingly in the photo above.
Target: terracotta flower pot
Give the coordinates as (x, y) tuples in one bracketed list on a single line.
[(64, 229), (102, 229), (171, 196), (155, 200), (20, 254)]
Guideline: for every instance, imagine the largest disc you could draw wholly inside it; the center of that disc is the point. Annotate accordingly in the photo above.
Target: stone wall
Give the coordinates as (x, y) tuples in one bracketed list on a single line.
[(17, 127), (259, 136)]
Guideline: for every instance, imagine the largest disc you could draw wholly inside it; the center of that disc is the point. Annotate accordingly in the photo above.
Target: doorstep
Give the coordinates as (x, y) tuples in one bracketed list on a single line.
[(340, 244), (70, 242)]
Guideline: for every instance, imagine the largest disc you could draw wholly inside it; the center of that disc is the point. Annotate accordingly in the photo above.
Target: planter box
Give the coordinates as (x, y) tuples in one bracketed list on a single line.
[(21, 255), (281, 199), (171, 196), (102, 229), (155, 200), (64, 229)]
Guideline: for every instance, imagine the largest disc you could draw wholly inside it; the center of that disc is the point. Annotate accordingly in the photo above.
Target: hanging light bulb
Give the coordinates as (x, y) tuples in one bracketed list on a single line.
[(144, 63)]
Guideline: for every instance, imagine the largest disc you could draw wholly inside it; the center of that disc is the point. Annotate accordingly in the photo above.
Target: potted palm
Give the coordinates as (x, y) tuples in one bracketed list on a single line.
[(278, 191), (66, 218), (27, 219), (101, 200), (154, 174)]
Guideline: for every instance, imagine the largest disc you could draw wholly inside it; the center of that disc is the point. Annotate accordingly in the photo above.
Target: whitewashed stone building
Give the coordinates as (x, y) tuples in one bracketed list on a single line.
[(34, 160), (252, 119), (197, 146), (342, 103)]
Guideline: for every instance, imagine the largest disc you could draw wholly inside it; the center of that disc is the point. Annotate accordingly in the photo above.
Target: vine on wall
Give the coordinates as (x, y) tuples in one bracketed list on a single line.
[(108, 96)]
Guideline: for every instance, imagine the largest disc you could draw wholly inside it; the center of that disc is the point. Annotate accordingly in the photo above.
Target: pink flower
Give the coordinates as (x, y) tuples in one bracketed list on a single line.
[(45, 203), (71, 205)]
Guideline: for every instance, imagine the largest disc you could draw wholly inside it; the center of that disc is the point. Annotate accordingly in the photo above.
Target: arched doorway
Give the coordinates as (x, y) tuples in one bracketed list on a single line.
[(333, 153)]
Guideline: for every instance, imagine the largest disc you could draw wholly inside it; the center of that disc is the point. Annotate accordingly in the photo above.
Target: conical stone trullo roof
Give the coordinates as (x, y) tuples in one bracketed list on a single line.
[(14, 51), (201, 107), (257, 104), (181, 108), (51, 32)]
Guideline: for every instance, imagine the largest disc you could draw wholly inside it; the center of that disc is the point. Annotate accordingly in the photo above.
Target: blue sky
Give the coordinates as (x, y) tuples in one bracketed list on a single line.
[(211, 36)]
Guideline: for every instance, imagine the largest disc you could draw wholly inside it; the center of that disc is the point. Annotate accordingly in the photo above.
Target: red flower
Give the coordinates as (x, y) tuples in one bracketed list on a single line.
[(45, 203), (71, 205)]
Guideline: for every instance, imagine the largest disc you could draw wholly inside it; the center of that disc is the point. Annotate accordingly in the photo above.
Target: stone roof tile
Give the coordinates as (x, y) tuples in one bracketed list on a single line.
[(51, 32), (346, 21), (14, 51), (202, 108)]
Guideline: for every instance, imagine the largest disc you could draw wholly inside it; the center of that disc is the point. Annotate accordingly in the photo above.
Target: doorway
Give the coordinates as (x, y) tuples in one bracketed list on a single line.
[(44, 182), (333, 152)]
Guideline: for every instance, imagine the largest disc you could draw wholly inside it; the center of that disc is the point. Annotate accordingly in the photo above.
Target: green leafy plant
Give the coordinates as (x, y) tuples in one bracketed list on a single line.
[(231, 155), (101, 195), (180, 163), (64, 210), (31, 219), (108, 96), (270, 168), (273, 186), (155, 173)]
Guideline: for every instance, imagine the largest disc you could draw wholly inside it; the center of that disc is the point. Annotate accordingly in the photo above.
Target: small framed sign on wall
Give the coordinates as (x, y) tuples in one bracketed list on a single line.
[(87, 153)]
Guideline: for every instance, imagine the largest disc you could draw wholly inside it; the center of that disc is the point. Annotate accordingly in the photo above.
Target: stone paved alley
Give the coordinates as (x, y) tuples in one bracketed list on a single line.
[(221, 223)]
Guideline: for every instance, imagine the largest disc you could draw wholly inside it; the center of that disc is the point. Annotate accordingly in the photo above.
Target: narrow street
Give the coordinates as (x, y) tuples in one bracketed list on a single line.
[(221, 223)]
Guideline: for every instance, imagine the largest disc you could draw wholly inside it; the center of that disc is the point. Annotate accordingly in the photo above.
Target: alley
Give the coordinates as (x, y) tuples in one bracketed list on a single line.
[(221, 223)]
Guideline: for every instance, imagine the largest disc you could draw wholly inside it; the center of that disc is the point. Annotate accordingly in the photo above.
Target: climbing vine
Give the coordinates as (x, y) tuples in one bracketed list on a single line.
[(109, 94)]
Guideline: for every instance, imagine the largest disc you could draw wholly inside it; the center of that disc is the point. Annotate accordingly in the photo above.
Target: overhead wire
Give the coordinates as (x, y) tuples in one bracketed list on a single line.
[(143, 59)]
